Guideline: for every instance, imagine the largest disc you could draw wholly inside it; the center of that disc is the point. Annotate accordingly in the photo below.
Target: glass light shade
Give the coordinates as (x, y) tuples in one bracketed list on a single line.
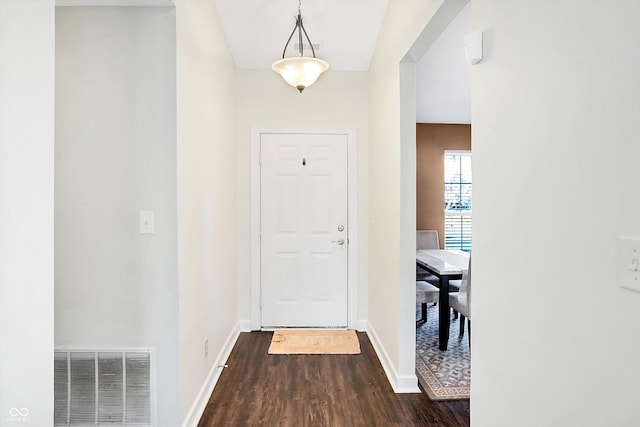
[(300, 71)]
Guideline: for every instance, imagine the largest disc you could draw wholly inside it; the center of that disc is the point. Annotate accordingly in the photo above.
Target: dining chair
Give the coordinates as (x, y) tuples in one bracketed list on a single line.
[(425, 293), (461, 301), (426, 239)]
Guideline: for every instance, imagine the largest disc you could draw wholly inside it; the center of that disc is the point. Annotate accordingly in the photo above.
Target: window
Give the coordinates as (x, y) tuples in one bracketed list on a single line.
[(457, 200)]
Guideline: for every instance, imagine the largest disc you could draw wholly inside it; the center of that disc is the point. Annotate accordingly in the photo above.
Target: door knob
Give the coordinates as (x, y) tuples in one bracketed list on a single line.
[(339, 241)]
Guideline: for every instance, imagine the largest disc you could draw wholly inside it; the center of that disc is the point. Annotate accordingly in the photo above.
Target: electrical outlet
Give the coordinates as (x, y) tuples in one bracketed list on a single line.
[(206, 347)]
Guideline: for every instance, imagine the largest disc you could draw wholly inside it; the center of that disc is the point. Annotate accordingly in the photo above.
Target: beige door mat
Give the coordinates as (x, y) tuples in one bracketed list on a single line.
[(314, 341)]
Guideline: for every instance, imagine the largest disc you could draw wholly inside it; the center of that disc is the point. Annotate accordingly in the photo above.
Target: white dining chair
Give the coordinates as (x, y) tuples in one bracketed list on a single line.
[(425, 293), (461, 301), (426, 239)]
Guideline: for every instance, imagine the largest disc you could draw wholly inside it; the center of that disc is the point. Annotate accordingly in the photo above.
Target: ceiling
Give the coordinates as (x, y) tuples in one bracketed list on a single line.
[(345, 30)]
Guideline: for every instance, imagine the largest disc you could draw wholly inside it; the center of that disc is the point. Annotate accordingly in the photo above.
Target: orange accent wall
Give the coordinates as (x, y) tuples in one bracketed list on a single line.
[(431, 142)]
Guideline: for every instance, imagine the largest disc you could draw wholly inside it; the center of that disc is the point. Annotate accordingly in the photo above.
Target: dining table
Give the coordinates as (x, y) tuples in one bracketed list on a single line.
[(446, 265)]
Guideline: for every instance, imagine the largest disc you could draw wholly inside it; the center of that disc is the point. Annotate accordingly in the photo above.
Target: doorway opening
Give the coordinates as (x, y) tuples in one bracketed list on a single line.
[(411, 100)]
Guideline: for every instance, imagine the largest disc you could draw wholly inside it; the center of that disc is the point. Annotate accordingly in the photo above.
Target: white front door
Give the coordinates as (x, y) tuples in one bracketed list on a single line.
[(303, 200)]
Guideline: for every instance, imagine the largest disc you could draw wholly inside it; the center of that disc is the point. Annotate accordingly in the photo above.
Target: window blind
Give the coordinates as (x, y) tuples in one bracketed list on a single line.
[(457, 200)]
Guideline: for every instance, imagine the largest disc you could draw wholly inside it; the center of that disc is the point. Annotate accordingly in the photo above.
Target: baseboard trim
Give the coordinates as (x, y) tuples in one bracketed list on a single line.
[(362, 325), (200, 403), (408, 384), (385, 361), (399, 383), (244, 325)]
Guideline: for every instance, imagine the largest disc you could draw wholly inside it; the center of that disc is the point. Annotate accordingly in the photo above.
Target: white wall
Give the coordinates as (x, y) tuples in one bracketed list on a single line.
[(392, 174), (443, 76), (206, 160), (116, 155), (338, 100), (555, 109), (26, 210)]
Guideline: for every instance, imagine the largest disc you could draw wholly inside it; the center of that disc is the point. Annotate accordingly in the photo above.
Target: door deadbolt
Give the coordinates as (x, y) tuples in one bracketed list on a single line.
[(341, 228)]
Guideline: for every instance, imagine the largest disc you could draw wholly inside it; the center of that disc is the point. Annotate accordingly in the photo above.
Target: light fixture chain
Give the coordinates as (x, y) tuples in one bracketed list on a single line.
[(299, 25), (300, 45)]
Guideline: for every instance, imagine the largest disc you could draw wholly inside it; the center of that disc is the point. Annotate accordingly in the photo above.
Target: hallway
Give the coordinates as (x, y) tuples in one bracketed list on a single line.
[(313, 390)]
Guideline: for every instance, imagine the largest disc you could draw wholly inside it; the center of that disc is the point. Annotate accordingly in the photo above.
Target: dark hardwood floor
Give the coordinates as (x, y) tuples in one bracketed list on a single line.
[(258, 389)]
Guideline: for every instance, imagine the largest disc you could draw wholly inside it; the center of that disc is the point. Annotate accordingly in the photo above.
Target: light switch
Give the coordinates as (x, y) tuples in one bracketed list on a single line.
[(146, 222), (629, 262)]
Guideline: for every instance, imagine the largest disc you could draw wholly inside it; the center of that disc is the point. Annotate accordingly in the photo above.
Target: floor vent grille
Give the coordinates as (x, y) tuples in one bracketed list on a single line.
[(102, 388)]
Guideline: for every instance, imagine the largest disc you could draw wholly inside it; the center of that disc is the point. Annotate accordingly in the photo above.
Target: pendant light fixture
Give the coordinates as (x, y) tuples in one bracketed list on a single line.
[(300, 71)]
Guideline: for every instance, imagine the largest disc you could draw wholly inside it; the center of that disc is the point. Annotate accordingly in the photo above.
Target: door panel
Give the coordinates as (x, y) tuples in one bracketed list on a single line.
[(303, 203)]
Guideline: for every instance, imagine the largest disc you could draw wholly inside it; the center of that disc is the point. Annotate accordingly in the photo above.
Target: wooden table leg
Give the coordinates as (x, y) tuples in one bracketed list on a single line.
[(443, 325)]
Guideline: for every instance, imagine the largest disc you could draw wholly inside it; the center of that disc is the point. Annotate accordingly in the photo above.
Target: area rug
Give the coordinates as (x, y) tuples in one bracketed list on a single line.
[(314, 341), (444, 375)]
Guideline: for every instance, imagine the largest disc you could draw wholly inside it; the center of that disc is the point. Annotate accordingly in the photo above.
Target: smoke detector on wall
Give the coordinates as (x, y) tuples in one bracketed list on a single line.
[(473, 47)]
